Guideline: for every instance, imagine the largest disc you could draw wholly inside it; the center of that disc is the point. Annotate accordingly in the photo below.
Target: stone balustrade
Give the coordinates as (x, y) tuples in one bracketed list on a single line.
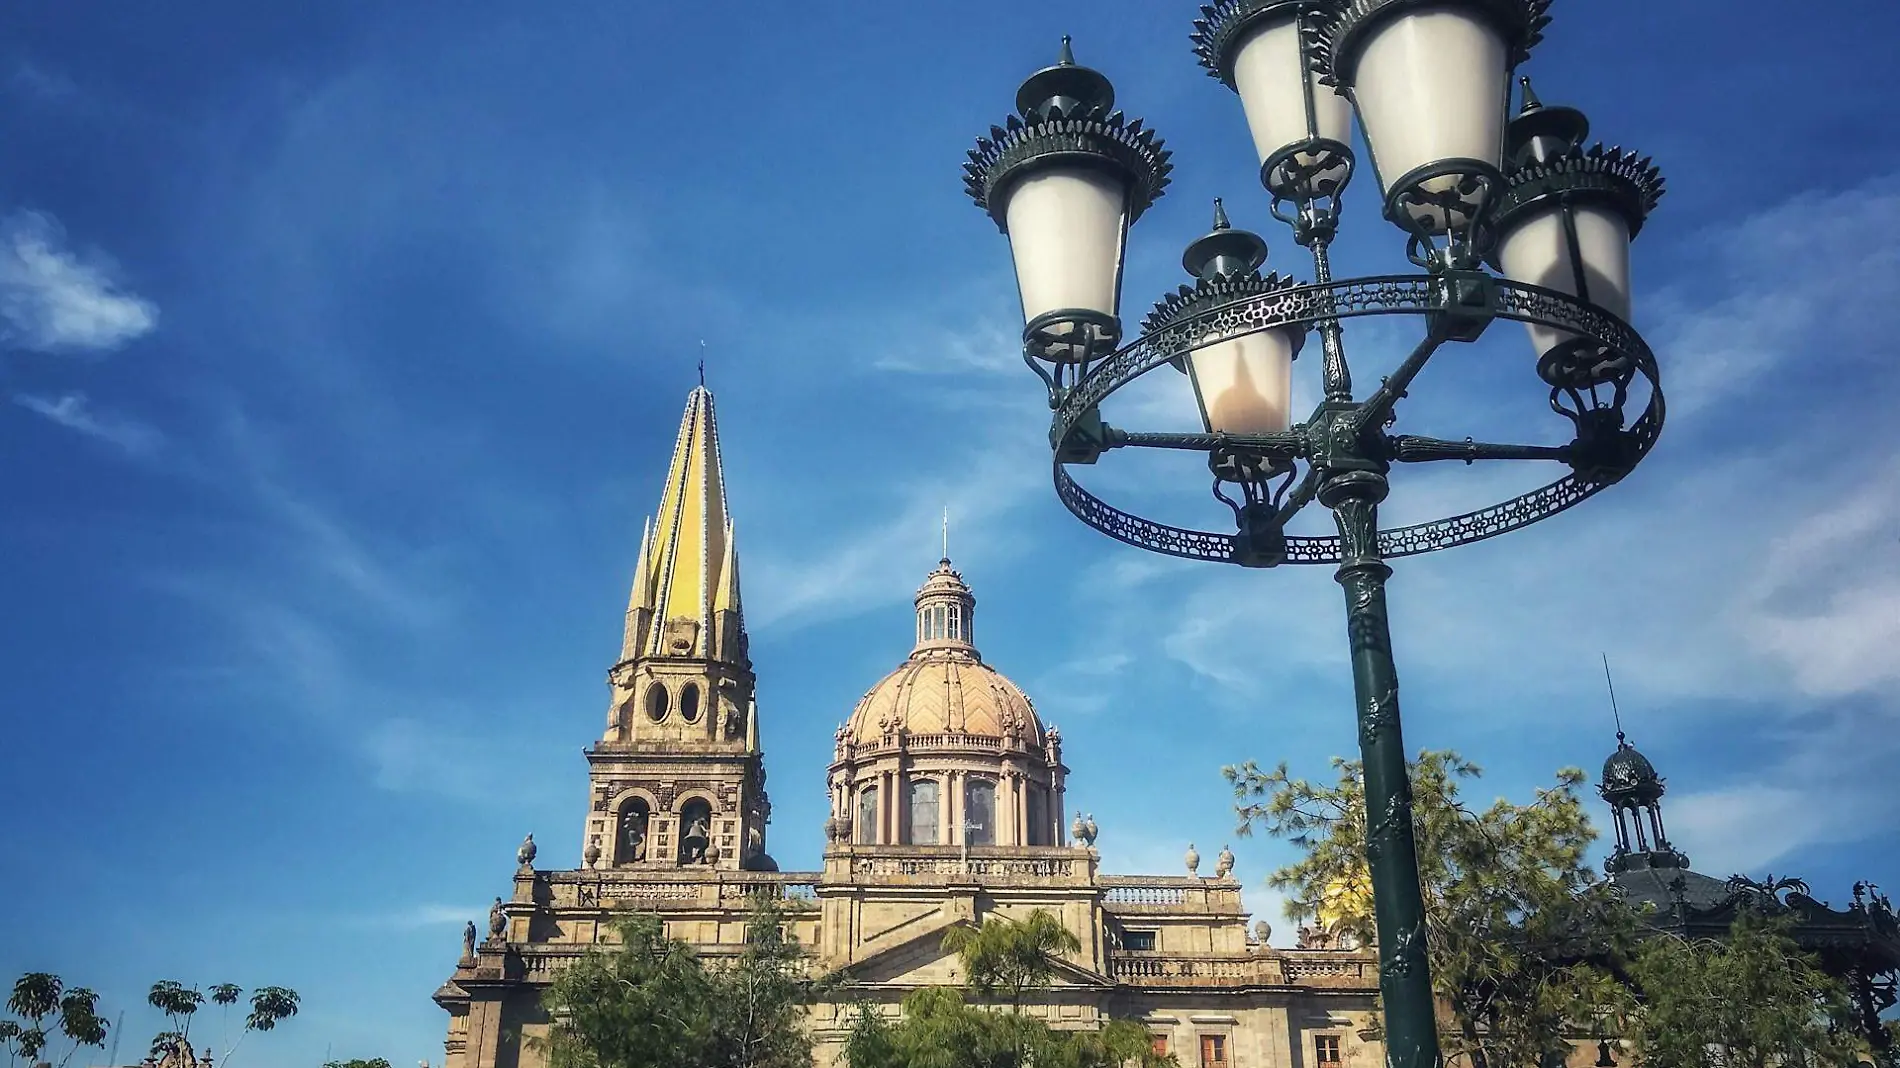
[(625, 887), (1186, 894), (1301, 968), (1156, 969), (1144, 895), (934, 865)]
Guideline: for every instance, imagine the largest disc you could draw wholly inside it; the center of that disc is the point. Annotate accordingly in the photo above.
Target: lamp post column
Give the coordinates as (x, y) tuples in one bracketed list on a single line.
[(1405, 985)]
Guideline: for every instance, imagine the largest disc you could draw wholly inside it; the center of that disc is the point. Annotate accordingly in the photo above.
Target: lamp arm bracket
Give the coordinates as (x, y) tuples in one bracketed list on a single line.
[(1410, 448)]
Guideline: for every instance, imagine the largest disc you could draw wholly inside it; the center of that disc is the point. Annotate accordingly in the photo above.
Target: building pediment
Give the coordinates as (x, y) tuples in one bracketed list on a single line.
[(918, 958)]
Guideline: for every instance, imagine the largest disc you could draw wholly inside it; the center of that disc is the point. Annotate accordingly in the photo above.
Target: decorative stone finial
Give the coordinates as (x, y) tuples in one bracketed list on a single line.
[(591, 855), (1082, 828), (1193, 859), (1223, 863), (525, 855), (1262, 931), (497, 921)]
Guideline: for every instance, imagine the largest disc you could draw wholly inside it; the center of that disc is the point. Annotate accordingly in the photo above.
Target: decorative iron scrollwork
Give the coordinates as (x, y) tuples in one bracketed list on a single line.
[(1307, 305)]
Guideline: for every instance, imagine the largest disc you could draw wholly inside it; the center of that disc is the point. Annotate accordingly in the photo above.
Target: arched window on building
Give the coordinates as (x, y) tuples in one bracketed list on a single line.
[(979, 812), (630, 835), (695, 831), (1038, 816), (866, 823), (923, 812)]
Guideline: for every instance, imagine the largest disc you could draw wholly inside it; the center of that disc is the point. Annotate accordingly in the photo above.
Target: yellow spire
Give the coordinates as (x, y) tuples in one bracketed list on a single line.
[(688, 576)]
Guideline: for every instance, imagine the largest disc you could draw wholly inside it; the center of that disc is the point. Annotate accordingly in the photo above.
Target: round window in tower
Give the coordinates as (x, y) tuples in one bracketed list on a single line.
[(656, 702), (689, 703)]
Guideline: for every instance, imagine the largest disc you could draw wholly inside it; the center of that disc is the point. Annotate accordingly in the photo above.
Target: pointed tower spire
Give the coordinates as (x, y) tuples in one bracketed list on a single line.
[(687, 578), (678, 777)]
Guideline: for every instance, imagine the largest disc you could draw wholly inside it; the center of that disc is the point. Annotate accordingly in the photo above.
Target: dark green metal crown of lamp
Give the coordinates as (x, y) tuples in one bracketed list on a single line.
[(1428, 85)]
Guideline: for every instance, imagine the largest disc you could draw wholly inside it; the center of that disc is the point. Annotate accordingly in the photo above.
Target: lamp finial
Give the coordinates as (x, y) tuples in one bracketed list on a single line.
[(1531, 103), (1220, 216), (1067, 58)]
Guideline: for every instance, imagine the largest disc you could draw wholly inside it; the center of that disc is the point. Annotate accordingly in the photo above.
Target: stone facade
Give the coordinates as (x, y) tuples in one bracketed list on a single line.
[(947, 806)]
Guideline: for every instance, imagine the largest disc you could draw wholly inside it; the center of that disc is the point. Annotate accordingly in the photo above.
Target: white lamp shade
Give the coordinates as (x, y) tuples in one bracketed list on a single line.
[(1268, 70), (1430, 85), (1066, 227), (1244, 384), (1537, 251)]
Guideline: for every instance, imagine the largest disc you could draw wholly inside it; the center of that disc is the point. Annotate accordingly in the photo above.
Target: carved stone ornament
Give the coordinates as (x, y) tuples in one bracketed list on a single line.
[(591, 855), (468, 941), (678, 636), (497, 921), (1223, 863), (1262, 931), (526, 854), (1193, 859)]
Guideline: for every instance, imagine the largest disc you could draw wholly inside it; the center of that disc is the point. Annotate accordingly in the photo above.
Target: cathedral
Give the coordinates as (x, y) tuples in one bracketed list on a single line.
[(947, 806)]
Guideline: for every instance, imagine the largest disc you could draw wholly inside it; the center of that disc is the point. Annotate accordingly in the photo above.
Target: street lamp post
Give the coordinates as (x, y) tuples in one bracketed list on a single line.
[(1429, 84)]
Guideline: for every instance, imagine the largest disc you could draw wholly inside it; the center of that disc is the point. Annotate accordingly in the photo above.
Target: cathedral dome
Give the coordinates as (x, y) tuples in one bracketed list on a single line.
[(937, 692), (945, 687)]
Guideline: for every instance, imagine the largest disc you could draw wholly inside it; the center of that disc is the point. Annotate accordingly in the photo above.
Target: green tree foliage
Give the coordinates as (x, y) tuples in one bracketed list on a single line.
[(270, 1005), (1750, 1001), (1006, 958), (46, 1007), (759, 999), (651, 1001), (940, 1030), (1521, 934)]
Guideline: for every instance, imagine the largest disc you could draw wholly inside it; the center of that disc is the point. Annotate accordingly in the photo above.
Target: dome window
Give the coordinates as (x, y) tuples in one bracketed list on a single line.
[(979, 812), (923, 812), (867, 816)]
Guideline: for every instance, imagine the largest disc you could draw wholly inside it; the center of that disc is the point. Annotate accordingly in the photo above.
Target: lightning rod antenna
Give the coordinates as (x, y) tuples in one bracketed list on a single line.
[(1611, 683)]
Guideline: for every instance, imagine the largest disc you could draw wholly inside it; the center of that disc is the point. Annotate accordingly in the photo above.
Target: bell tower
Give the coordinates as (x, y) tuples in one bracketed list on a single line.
[(677, 778)]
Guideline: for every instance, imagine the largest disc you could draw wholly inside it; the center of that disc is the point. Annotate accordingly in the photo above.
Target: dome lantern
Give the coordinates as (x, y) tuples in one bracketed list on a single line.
[(946, 612)]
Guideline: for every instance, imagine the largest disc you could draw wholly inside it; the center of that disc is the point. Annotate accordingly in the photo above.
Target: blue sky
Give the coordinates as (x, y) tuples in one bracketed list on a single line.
[(344, 345)]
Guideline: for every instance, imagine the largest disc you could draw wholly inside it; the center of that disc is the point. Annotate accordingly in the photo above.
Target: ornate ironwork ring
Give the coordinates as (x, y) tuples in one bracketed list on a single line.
[(1381, 295)]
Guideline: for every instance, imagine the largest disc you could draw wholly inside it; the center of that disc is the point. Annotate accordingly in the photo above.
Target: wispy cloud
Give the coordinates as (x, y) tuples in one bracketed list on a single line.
[(75, 411), (975, 467), (53, 299), (1775, 279), (417, 917), (40, 82)]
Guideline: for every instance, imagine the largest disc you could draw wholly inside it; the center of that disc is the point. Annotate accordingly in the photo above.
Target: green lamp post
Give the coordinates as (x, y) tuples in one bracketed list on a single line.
[(1429, 86)]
